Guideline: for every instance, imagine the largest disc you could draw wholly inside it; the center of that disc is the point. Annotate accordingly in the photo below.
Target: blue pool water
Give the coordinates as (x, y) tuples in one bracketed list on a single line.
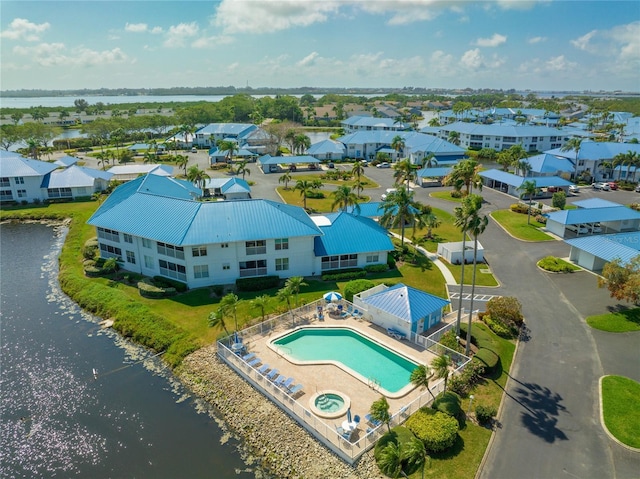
[(355, 351)]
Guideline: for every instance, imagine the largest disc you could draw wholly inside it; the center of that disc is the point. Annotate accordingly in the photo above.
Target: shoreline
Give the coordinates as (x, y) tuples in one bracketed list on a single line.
[(272, 437)]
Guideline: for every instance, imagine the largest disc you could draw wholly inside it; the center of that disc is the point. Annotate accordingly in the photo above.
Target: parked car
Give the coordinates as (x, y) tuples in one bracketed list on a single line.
[(384, 164), (388, 192), (331, 165), (613, 185), (638, 189), (578, 229), (601, 186), (595, 228), (574, 189), (194, 149)]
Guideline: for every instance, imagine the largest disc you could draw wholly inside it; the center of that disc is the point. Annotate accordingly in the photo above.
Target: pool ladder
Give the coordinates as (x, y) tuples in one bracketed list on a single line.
[(373, 383)]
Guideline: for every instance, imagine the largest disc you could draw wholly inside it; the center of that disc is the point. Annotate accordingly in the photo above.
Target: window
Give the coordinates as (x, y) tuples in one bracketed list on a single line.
[(110, 235), (282, 243), (127, 238), (148, 262), (22, 193), (6, 195), (131, 257), (146, 243), (199, 251), (110, 251), (509, 139), (4, 182), (253, 268), (256, 247), (282, 264), (224, 245), (226, 266), (19, 180), (200, 271), (338, 262), (59, 192), (170, 250), (173, 270), (373, 258), (81, 191)]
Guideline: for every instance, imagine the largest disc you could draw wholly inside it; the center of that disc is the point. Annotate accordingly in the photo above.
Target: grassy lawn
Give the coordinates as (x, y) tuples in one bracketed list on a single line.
[(320, 205), (445, 195), (367, 182), (621, 408), (618, 322), (482, 279), (516, 225), (444, 233)]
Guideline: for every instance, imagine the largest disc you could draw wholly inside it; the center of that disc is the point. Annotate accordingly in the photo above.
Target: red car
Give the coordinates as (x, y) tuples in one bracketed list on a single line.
[(613, 185)]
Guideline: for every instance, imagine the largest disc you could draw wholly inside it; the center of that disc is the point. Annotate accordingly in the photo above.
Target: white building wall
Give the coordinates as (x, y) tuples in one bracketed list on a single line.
[(556, 228)]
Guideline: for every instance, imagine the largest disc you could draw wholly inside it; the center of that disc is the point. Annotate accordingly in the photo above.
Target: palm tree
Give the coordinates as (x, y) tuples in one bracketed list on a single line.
[(229, 146), (305, 188), (573, 144), (301, 142), (243, 169), (420, 377), (429, 161), (197, 176), (229, 305), (434, 121), (477, 225), (470, 205), (464, 173), (398, 144), (454, 137), (357, 170), (215, 318), (286, 178), (261, 303), (442, 363), (405, 170), (399, 209), (103, 159), (528, 188), (186, 130), (294, 284), (380, 411), (429, 221), (111, 264), (284, 294), (181, 162), (390, 460), (415, 454), (344, 197)]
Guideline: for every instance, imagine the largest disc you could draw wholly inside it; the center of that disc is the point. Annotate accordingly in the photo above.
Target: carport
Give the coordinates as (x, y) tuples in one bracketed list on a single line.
[(432, 176), (593, 252), (614, 219), (510, 183), (271, 164)]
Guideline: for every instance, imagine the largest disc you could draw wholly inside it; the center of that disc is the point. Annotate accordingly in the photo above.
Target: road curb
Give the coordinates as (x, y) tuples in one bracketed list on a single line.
[(604, 426)]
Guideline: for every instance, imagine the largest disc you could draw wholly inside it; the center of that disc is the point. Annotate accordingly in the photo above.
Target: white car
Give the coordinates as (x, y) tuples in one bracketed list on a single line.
[(388, 192), (574, 189), (601, 186), (578, 229), (383, 165)]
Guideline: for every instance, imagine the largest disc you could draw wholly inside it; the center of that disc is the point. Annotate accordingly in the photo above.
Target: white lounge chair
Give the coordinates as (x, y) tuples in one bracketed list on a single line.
[(272, 374), (295, 389), (264, 368), (287, 384)]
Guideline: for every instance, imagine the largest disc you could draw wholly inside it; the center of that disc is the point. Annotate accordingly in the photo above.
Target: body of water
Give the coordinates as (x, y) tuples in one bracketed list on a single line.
[(132, 420)]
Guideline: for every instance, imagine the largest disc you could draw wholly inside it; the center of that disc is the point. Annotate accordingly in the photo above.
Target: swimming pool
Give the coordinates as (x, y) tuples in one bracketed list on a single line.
[(368, 359)]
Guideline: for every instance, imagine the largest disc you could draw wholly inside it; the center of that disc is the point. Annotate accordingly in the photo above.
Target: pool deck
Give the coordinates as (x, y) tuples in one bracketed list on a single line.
[(321, 377)]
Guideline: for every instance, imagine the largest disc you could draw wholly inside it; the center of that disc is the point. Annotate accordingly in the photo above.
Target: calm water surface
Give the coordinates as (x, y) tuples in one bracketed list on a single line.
[(56, 419)]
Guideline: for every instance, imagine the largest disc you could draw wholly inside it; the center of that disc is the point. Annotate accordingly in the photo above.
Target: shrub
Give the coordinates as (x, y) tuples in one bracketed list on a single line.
[(449, 403), (376, 268), (505, 309), (343, 276), (559, 200), (90, 248), (355, 287), (218, 290), (462, 383), (437, 430), (555, 265), (484, 414), (391, 261), (488, 358), (499, 328), (524, 209), (314, 194), (456, 194), (150, 289), (257, 284), (541, 219), (170, 283), (449, 340), (91, 269)]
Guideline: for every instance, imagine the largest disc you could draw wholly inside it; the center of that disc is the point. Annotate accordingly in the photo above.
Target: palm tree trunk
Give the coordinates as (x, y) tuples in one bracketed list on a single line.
[(473, 290), (464, 243)]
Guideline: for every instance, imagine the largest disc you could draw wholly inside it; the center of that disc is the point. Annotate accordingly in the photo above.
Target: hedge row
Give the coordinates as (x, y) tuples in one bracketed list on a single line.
[(148, 289), (257, 284), (344, 276)]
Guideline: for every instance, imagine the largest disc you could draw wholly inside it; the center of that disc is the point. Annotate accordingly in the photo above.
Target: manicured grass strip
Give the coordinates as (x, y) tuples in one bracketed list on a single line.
[(323, 205), (618, 322), (367, 182), (516, 225), (445, 195), (482, 279), (557, 265), (621, 408)]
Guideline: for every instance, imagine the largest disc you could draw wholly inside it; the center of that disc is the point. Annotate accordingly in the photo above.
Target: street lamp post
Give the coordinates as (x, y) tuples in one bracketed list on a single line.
[(470, 403)]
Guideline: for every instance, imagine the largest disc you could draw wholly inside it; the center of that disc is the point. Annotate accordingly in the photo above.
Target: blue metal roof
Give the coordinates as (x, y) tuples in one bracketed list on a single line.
[(624, 246), (370, 210), (597, 150), (369, 121), (74, 177), (595, 203), (546, 163), (235, 185), (227, 129), (326, 147), (434, 172), (495, 129), (66, 161), (407, 303), (16, 165), (593, 215), (286, 160), (516, 181), (135, 209), (350, 234)]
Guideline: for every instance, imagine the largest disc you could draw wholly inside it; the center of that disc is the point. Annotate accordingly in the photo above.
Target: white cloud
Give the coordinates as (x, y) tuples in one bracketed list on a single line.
[(212, 42), (557, 66), (19, 28), (582, 43), (494, 41), (627, 37), (156, 30), (178, 34), (559, 63), (52, 54), (309, 59), (136, 27), (472, 59), (518, 4), (535, 40), (265, 16)]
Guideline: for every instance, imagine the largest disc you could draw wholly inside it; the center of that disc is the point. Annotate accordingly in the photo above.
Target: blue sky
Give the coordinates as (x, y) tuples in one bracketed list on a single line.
[(521, 44)]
